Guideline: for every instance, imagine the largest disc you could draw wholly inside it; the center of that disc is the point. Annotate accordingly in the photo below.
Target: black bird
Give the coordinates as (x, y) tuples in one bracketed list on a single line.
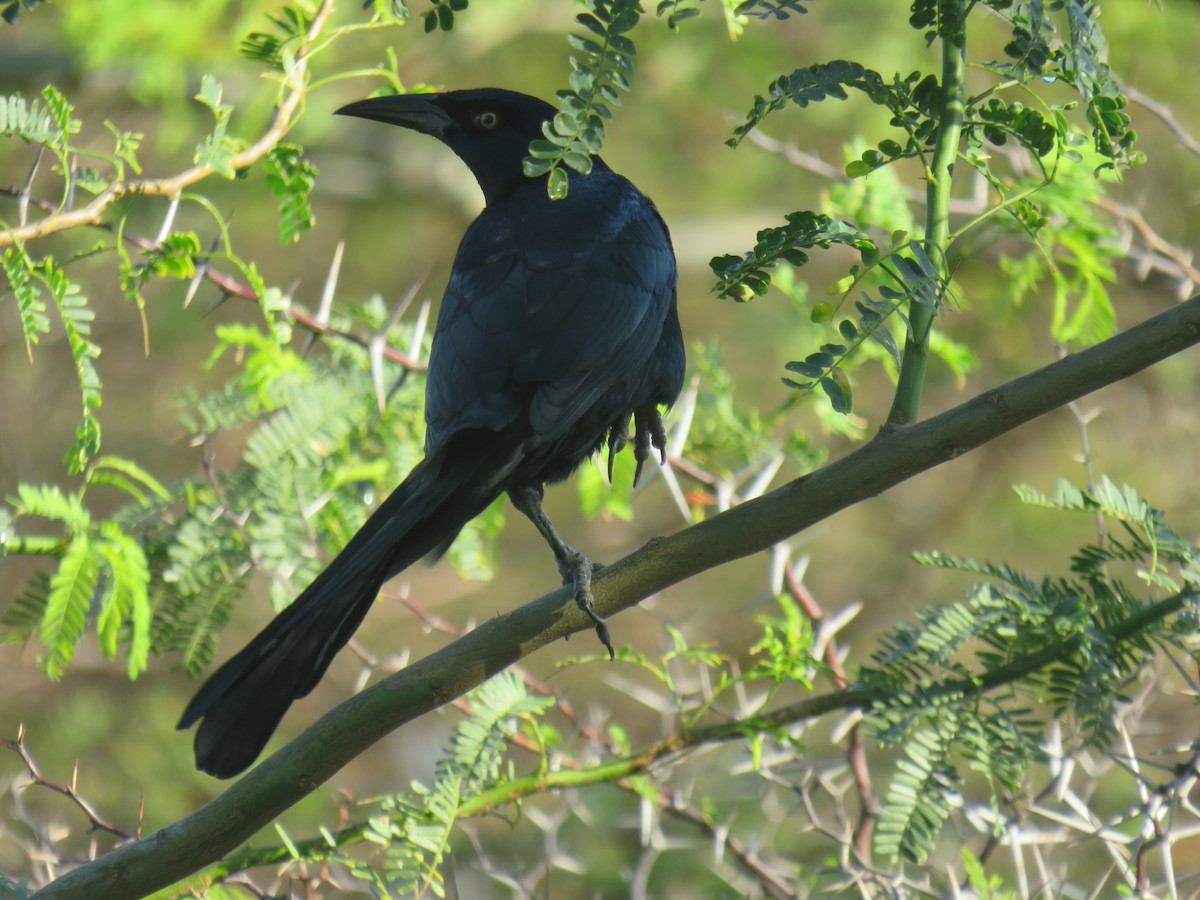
[(557, 327)]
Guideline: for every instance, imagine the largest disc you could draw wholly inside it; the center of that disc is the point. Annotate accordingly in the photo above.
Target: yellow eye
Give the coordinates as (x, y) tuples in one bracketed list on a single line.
[(487, 120)]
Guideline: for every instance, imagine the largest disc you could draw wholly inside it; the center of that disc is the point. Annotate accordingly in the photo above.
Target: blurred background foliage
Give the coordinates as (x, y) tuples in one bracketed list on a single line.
[(398, 203)]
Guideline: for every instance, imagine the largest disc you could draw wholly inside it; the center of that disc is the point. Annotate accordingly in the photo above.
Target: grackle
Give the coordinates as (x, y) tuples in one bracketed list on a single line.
[(558, 326)]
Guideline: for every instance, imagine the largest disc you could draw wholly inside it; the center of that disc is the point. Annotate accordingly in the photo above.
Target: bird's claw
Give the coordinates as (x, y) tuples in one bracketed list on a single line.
[(616, 443), (577, 573), (648, 434)]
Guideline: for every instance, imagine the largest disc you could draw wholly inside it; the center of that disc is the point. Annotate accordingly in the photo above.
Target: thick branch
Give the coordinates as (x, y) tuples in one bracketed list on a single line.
[(895, 455)]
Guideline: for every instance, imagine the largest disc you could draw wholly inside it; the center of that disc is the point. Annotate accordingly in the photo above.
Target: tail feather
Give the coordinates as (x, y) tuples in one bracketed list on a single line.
[(243, 702)]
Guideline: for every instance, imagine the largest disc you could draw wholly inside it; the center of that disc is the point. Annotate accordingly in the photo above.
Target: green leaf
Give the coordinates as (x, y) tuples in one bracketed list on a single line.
[(72, 588), (313, 422), (838, 392), (211, 92), (77, 322), (812, 85), (291, 178), (128, 476), (577, 130), (32, 308), (23, 619), (126, 599), (917, 803), (803, 229), (558, 184)]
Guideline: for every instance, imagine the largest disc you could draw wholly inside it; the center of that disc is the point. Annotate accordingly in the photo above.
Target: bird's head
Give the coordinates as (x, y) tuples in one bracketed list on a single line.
[(489, 128)]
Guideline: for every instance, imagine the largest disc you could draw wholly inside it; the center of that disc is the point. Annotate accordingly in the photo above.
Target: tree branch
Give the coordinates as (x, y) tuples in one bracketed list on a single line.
[(170, 186), (895, 455)]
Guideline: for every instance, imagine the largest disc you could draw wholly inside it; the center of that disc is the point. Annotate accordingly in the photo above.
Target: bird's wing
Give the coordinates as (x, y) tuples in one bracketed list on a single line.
[(533, 324)]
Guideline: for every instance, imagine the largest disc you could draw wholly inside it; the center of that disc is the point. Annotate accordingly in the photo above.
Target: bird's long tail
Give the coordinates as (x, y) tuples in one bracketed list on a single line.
[(242, 703)]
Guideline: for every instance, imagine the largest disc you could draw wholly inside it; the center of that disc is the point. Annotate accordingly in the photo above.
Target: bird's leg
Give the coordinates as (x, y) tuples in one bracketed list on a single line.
[(648, 432), (575, 568)]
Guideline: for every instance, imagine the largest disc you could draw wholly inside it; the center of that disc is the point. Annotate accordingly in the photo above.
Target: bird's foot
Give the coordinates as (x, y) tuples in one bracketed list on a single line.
[(577, 572), (648, 433)]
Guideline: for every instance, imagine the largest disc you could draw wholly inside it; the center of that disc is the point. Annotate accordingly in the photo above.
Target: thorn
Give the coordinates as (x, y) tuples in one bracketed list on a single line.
[(27, 189), (326, 305), (201, 271), (685, 413), (400, 308), (763, 479), (421, 327), (676, 491), (69, 202), (378, 344), (335, 268), (375, 348), (168, 220), (225, 295)]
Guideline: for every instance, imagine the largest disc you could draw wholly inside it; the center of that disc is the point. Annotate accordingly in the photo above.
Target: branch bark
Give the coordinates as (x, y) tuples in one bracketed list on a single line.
[(895, 455)]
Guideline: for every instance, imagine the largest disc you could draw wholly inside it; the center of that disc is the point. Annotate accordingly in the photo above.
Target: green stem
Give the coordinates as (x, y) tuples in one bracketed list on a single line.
[(32, 545), (939, 183)]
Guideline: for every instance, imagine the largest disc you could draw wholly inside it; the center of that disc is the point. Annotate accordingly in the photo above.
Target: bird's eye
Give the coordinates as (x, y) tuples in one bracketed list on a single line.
[(487, 120)]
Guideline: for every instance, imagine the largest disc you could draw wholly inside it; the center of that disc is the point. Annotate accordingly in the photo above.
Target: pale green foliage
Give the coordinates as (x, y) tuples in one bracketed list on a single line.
[(51, 125), (291, 21), (291, 177), (27, 280), (416, 827), (102, 571), (1071, 642), (217, 150)]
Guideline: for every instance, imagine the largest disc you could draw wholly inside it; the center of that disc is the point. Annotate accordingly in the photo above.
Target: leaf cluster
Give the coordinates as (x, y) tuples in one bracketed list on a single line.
[(962, 683), (1053, 42), (1061, 40), (102, 575), (268, 47), (414, 829), (441, 14), (605, 66)]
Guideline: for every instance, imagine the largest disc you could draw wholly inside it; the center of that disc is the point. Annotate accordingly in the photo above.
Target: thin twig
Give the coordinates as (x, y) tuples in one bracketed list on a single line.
[(1160, 254), (856, 751), (17, 745), (231, 287), (1163, 114)]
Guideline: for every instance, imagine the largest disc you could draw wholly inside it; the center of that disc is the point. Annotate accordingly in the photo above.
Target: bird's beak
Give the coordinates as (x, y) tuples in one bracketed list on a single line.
[(420, 112)]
